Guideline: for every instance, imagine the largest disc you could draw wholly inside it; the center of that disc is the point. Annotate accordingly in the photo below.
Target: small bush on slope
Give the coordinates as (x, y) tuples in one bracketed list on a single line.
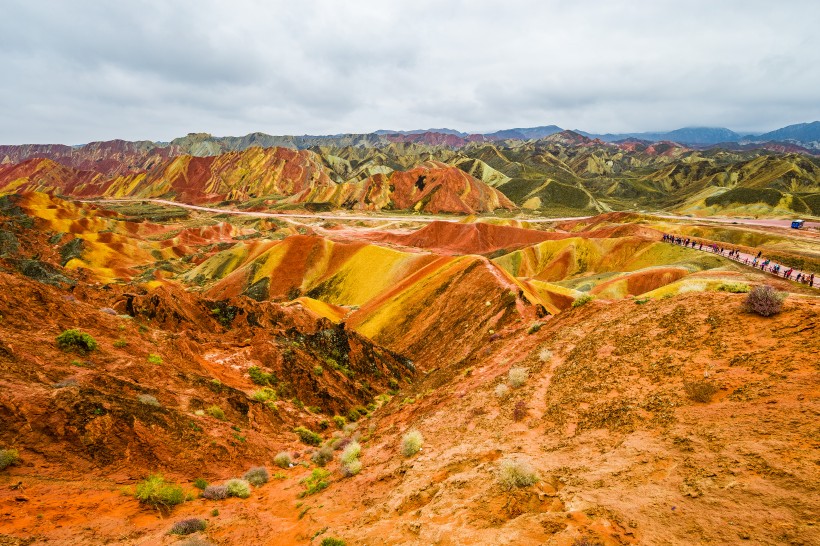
[(282, 459), (516, 473), (155, 491), (75, 340), (764, 300), (188, 526), (238, 488), (8, 457), (517, 376), (257, 476), (307, 436), (411, 443), (700, 391), (215, 492), (583, 300)]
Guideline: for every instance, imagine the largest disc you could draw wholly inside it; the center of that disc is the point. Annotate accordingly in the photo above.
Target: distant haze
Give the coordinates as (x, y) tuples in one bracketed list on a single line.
[(84, 70)]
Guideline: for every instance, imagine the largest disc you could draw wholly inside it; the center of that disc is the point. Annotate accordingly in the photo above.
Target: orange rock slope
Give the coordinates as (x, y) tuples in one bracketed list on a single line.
[(675, 418)]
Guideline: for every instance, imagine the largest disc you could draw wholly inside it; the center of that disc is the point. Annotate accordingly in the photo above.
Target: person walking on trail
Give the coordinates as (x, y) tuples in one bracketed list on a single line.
[(811, 280), (759, 254)]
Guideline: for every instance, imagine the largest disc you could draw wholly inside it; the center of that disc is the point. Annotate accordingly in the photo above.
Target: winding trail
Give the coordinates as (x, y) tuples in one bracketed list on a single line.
[(747, 260), (428, 218)]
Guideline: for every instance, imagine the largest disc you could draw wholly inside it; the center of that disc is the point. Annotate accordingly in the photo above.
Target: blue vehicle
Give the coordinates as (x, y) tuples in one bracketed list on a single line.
[(797, 224)]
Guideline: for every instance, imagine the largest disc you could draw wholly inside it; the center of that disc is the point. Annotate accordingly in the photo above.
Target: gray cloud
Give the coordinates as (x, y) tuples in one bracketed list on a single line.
[(93, 70)]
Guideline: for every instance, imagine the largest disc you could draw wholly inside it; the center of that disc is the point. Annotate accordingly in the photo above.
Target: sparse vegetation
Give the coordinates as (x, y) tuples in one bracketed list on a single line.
[(148, 400), (502, 391), (283, 459), (351, 468), (520, 410), (265, 394), (764, 300), (339, 421), (158, 493), (322, 456), (75, 340), (215, 492), (216, 412), (700, 391), (544, 355), (120, 343), (330, 541), (307, 436), (351, 452), (349, 459), (534, 327), (238, 488), (200, 483), (582, 300), (154, 359), (262, 378), (411, 443), (517, 376), (317, 481), (514, 472), (257, 476), (188, 526), (318, 370), (734, 287), (8, 457)]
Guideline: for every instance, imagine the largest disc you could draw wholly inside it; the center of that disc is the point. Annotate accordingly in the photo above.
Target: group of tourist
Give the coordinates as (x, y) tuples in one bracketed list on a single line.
[(735, 254)]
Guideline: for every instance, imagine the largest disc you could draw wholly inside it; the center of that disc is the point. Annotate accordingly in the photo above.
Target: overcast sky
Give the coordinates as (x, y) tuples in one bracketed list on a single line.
[(77, 71)]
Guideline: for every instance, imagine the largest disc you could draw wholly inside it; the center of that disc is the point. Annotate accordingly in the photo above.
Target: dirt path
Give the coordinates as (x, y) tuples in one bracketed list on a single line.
[(748, 260), (434, 218)]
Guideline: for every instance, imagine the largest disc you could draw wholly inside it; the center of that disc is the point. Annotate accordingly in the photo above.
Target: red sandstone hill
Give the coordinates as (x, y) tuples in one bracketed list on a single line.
[(430, 187)]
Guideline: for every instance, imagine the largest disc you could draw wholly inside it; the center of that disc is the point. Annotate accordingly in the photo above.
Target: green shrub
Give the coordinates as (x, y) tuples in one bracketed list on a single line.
[(154, 359), (392, 384), (8, 457), (200, 483), (120, 343), (216, 412), (307, 436), (351, 468), (700, 391), (411, 443), (517, 376), (351, 452), (261, 378), (158, 493), (583, 300), (238, 488), (734, 287), (330, 541), (516, 473), (75, 340), (257, 476), (534, 327), (352, 415), (282, 459), (264, 395), (318, 370), (317, 481)]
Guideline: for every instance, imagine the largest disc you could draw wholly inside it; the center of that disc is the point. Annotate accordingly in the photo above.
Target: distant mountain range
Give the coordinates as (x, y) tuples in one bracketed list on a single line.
[(806, 135), (800, 138)]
